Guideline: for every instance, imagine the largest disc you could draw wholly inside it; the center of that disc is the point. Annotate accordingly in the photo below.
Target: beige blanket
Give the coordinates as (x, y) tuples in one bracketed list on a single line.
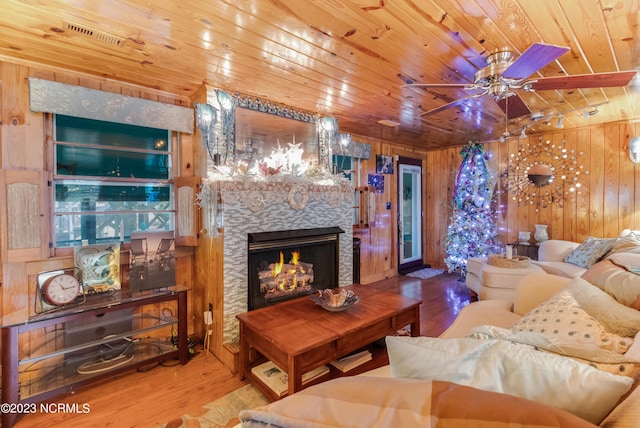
[(388, 402)]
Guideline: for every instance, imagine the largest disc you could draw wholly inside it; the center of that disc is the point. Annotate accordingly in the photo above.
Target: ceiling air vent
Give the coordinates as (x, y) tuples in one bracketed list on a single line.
[(94, 34)]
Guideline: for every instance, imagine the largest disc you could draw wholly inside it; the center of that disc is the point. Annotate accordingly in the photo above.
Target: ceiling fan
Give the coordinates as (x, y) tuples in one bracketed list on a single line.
[(503, 75)]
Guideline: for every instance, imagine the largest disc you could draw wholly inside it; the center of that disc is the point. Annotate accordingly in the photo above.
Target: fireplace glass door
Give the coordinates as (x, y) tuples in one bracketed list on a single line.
[(288, 264)]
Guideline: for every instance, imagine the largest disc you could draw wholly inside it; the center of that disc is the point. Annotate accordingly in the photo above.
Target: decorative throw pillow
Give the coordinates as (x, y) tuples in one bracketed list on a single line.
[(509, 368), (627, 232), (590, 251), (614, 316), (617, 277), (563, 321), (629, 243)]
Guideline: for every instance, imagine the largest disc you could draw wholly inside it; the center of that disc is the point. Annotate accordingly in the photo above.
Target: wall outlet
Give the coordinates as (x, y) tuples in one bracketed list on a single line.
[(208, 318)]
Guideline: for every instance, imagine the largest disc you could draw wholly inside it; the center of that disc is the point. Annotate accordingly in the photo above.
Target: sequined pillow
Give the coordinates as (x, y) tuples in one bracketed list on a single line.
[(563, 321), (590, 251)]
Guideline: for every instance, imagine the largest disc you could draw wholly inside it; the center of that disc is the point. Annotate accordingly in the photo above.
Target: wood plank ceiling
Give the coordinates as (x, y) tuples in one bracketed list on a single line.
[(341, 58)]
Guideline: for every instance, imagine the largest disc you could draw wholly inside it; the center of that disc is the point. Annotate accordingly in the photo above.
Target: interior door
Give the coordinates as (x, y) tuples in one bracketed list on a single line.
[(409, 214)]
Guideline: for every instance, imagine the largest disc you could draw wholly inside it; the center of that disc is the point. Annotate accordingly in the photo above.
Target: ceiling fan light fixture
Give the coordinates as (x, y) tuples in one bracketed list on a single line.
[(634, 149), (535, 116), (591, 112), (560, 124), (523, 133)]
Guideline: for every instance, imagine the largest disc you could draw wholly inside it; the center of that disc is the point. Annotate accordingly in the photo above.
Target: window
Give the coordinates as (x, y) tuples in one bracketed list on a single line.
[(342, 164), (110, 179)]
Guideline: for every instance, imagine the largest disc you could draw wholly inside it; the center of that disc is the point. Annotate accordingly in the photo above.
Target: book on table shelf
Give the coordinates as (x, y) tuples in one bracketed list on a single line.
[(276, 379), (351, 361)]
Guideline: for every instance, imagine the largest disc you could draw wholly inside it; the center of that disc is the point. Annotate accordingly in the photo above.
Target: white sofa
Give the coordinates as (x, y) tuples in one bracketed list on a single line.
[(384, 398), (492, 282), (551, 255)]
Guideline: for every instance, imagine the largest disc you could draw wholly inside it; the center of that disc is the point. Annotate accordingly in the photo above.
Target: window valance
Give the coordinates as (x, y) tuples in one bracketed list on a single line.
[(77, 101)]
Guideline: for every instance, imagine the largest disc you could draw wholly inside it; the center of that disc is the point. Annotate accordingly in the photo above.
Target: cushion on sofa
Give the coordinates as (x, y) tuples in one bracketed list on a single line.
[(590, 251), (386, 402), (563, 321), (567, 270), (627, 232), (617, 277), (493, 312), (555, 250), (614, 316), (510, 368), (534, 289), (630, 243), (601, 359)]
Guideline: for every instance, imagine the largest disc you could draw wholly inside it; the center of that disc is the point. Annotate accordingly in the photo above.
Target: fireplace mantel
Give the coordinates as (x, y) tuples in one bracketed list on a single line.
[(258, 195), (268, 205)]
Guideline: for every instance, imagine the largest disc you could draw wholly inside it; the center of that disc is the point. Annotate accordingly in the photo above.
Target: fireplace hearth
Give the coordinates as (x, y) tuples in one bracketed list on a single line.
[(291, 263)]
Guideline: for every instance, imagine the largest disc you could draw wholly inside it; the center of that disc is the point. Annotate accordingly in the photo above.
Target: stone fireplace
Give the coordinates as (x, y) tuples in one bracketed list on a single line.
[(291, 263), (262, 207)]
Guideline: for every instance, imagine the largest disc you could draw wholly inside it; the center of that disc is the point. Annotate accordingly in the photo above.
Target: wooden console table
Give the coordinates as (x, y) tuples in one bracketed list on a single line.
[(30, 376), (530, 249), (298, 335)]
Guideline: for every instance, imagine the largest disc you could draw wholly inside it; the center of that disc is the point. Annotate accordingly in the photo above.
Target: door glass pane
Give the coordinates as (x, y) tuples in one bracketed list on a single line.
[(411, 213)]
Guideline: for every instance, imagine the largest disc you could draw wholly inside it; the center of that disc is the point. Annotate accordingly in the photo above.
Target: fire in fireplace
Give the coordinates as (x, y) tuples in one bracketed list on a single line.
[(280, 279), (291, 263)]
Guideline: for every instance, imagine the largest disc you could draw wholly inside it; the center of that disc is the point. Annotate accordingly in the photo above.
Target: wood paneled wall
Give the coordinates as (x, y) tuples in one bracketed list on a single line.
[(379, 242), (609, 200), (23, 147)]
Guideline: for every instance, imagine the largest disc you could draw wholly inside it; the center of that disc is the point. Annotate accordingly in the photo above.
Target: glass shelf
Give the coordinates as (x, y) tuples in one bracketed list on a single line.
[(136, 319), (59, 351), (44, 375)]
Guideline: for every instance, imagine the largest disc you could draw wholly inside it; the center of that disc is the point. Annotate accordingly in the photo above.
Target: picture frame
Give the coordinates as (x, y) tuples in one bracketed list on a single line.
[(384, 164), (377, 182)]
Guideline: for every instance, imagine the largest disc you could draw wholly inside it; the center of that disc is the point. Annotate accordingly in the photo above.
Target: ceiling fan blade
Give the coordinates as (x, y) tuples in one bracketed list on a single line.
[(513, 107), (533, 59), (451, 104), (597, 80)]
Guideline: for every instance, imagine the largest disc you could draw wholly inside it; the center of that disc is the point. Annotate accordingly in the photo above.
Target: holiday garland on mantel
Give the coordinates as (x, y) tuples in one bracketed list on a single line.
[(472, 229)]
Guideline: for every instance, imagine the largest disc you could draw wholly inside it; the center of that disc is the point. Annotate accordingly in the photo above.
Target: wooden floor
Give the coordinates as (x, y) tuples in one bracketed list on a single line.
[(165, 393)]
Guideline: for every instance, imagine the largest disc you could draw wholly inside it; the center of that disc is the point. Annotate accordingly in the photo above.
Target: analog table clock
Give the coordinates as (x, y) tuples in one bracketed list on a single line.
[(61, 289)]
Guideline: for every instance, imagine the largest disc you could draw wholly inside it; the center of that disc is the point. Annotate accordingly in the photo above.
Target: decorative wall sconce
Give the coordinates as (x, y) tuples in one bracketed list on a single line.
[(227, 106), (543, 173), (206, 119), (634, 149), (327, 137), (345, 140)]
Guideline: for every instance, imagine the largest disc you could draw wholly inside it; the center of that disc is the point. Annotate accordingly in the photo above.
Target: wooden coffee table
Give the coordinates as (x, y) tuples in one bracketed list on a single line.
[(299, 336)]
